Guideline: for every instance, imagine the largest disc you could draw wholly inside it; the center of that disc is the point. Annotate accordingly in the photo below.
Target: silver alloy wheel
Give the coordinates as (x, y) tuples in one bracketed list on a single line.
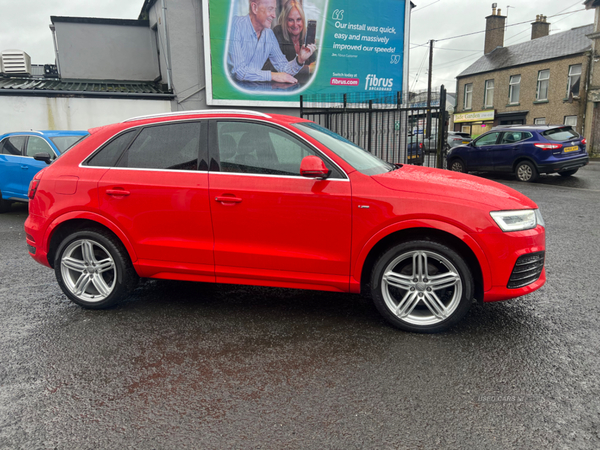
[(457, 166), (421, 287), (88, 270), (524, 172)]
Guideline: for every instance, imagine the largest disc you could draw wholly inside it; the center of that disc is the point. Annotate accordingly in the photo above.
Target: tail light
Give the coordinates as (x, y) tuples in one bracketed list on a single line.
[(548, 146), (583, 141), (421, 145), (33, 188)]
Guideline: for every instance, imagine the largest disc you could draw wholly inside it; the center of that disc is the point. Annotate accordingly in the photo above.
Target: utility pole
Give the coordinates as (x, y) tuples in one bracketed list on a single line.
[(428, 126)]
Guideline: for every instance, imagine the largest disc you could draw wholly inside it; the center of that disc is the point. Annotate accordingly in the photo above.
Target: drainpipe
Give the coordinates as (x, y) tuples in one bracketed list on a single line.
[(53, 29), (168, 47)]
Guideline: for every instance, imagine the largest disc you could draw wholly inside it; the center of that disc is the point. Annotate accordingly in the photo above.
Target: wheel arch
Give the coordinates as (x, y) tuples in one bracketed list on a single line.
[(522, 158), (459, 158), (456, 239), (73, 222)]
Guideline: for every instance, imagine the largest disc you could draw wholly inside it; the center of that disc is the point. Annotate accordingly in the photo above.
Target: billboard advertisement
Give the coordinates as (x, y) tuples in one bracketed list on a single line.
[(269, 52)]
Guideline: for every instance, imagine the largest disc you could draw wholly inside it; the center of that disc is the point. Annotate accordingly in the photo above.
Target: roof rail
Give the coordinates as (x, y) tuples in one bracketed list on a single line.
[(202, 111)]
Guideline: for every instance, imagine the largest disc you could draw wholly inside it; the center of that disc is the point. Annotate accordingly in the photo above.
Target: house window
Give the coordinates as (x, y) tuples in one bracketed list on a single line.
[(571, 120), (542, 85), (574, 79), (514, 89), (468, 96), (539, 121), (489, 94)]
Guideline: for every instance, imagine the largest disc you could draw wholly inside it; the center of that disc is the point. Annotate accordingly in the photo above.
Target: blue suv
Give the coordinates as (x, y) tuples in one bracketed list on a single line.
[(24, 154), (525, 150)]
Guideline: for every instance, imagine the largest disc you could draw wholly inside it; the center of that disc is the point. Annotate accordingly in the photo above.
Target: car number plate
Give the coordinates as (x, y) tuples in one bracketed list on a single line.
[(571, 149), (465, 142)]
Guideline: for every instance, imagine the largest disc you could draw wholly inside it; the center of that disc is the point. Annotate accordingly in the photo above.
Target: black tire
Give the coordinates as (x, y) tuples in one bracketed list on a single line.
[(526, 171), (93, 269), (4, 204), (457, 165), (568, 173), (406, 294)]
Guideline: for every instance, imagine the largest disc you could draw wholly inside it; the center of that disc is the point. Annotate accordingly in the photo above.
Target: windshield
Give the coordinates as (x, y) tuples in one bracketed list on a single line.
[(360, 159), (560, 134), (64, 143)]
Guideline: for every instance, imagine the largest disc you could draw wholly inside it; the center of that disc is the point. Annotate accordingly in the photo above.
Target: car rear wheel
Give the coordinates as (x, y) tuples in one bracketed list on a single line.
[(568, 173), (4, 204), (526, 171), (422, 286), (456, 165), (93, 269)]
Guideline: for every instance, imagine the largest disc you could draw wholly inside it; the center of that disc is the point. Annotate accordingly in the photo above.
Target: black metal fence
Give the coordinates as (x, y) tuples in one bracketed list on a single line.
[(396, 128)]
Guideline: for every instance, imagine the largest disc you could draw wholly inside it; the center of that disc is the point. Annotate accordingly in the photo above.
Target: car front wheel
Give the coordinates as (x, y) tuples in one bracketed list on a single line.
[(457, 165), (526, 171), (422, 286), (93, 269)]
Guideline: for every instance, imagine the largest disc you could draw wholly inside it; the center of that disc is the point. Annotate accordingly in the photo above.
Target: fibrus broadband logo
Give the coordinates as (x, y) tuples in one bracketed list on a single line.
[(378, 84)]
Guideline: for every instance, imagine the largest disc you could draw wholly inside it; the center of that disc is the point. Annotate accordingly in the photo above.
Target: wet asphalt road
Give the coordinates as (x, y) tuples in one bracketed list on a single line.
[(184, 365)]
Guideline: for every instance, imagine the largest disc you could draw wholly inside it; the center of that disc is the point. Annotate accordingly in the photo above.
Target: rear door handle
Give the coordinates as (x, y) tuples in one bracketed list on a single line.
[(117, 192), (227, 199)]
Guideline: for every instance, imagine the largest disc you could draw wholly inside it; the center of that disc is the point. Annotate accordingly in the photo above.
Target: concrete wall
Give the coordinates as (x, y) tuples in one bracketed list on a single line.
[(101, 51), (40, 113), (554, 110)]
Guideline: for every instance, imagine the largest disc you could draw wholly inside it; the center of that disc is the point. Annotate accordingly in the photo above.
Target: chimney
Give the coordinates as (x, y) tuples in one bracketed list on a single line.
[(540, 27), (494, 30)]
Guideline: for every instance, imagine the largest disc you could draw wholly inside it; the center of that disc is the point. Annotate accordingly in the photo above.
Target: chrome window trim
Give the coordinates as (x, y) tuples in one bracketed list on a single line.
[(288, 130)]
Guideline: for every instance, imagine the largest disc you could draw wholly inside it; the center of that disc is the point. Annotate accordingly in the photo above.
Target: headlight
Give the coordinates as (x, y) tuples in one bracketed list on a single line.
[(524, 219)]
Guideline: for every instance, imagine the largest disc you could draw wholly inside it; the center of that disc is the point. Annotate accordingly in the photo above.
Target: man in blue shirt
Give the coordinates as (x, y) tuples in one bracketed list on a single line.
[(252, 42)]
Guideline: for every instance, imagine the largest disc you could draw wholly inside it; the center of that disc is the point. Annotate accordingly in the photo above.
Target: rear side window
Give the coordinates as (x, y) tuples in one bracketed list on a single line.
[(515, 136), (173, 146), (13, 145), (107, 156), (560, 134)]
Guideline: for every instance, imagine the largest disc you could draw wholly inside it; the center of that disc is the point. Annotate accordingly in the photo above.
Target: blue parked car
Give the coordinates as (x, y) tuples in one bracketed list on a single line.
[(17, 162), (525, 150)]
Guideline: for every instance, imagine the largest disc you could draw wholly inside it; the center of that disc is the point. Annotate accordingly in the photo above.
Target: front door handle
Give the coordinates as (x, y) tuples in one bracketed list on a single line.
[(25, 167), (228, 199), (117, 192)]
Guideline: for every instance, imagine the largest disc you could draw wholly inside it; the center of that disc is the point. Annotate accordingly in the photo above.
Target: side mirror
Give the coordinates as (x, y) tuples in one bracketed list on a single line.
[(313, 167), (43, 157)]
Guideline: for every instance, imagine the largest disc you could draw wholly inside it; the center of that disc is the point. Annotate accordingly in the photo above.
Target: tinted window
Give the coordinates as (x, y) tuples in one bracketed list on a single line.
[(66, 142), (515, 136), (173, 146), (487, 139), (108, 155), (13, 145), (38, 145), (560, 134), (360, 159), (254, 148)]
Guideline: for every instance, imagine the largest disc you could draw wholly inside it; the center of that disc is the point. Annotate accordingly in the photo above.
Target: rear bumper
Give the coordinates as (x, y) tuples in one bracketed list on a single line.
[(36, 240), (561, 166)]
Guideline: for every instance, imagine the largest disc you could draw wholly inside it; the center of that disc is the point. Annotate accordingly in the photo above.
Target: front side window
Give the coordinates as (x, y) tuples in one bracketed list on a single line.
[(571, 120), (489, 94), (38, 145), (574, 80), (170, 147), (246, 147), (13, 145), (357, 157), (487, 139), (543, 85), (514, 89), (468, 96)]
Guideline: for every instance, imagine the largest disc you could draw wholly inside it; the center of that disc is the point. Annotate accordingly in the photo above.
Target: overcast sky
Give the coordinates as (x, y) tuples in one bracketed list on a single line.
[(24, 26)]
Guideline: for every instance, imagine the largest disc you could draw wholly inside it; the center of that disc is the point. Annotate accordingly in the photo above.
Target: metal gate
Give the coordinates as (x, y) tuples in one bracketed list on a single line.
[(396, 129)]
